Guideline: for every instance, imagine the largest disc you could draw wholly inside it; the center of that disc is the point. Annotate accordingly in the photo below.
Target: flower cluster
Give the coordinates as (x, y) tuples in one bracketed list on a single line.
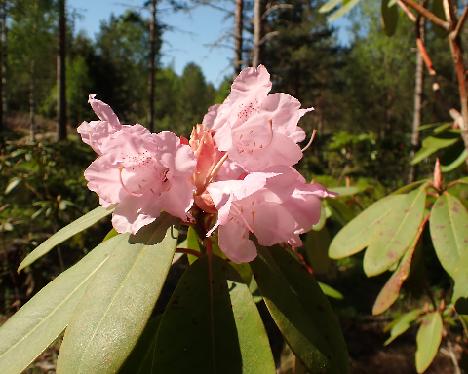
[(237, 167)]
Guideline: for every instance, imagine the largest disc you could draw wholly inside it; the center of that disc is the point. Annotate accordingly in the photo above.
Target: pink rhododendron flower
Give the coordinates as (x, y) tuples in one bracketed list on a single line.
[(95, 133), (142, 174), (276, 206), (211, 166), (258, 130)]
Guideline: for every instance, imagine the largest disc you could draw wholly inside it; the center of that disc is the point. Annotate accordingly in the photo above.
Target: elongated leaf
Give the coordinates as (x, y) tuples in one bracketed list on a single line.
[(449, 232), (212, 325), (323, 218), (460, 160), (389, 17), (344, 9), (393, 235), (390, 291), (402, 324), (409, 187), (330, 291), (356, 235), (41, 320), (329, 6), (346, 191), (460, 288), (192, 243), (429, 126), (140, 360), (316, 251), (431, 145), (340, 212), (14, 182), (65, 233), (428, 340), (301, 311), (113, 312)]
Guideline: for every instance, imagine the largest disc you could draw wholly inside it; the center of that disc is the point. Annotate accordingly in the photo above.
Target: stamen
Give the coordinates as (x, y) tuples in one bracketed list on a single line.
[(242, 218), (123, 184), (216, 168), (310, 141)]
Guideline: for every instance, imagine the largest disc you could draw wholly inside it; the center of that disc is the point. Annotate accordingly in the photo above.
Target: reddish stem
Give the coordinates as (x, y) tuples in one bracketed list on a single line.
[(188, 251)]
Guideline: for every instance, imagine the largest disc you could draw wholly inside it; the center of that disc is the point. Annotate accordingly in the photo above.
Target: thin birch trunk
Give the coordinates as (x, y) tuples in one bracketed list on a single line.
[(61, 79), (418, 98)]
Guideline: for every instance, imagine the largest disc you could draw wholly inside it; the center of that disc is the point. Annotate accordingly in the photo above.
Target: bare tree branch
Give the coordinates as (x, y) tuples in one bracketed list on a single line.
[(426, 14), (454, 34)]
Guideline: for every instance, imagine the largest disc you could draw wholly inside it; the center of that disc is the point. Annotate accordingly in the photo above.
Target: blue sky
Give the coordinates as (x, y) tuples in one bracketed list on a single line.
[(190, 38)]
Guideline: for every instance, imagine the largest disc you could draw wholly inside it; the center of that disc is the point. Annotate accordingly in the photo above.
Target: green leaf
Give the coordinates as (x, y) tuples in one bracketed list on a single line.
[(323, 218), (402, 324), (14, 182), (329, 6), (389, 17), (391, 289), (110, 234), (113, 312), (330, 291), (346, 191), (434, 125), (428, 340), (409, 187), (460, 160), (193, 242), (356, 235), (344, 9), (300, 310), (431, 145), (460, 287), (212, 325), (316, 246), (449, 232), (41, 320), (394, 233), (341, 212), (140, 360), (65, 233)]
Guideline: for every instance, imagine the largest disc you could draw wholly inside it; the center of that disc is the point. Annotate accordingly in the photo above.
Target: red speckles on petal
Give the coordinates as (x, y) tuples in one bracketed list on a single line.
[(247, 110)]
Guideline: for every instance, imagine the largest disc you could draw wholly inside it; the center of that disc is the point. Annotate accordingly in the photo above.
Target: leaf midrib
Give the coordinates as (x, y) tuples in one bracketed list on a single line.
[(117, 291), (403, 221)]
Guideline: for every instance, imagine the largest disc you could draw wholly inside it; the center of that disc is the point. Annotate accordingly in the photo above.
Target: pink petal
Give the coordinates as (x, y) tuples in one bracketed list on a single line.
[(104, 111), (129, 217), (272, 223), (179, 198), (233, 240), (104, 179), (209, 118)]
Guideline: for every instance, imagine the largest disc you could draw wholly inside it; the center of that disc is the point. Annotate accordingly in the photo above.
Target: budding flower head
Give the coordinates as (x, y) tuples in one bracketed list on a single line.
[(438, 178)]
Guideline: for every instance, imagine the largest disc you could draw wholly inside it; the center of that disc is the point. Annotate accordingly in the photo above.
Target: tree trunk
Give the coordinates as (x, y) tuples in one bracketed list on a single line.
[(2, 46), (456, 51), (3, 64), (258, 32), (152, 64), (238, 28), (61, 81), (4, 52), (418, 97), (32, 102)]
